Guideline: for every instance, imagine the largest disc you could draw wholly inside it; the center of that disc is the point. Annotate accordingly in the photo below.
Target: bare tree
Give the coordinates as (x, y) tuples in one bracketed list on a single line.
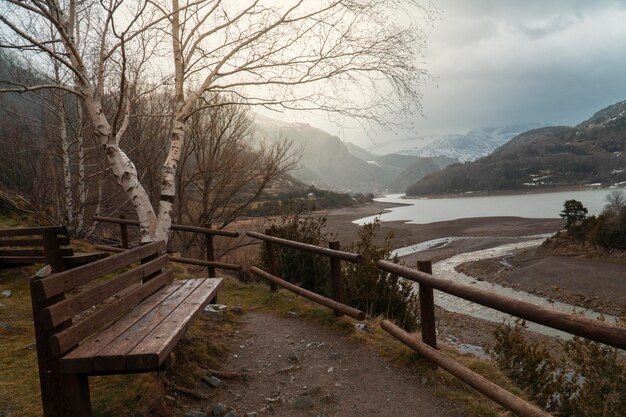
[(349, 57)]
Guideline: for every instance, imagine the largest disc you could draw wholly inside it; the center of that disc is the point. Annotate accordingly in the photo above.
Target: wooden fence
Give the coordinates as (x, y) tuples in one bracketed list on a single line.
[(207, 231), (603, 332)]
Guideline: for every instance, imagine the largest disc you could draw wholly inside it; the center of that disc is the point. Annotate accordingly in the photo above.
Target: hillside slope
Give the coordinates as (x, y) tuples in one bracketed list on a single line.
[(591, 152)]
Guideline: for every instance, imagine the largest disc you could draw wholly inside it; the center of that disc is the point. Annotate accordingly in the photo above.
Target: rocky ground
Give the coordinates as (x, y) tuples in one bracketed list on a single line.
[(287, 366)]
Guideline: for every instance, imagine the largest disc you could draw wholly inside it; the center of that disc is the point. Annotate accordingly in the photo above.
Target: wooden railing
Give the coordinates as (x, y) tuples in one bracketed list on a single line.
[(335, 255), (207, 231), (598, 331)]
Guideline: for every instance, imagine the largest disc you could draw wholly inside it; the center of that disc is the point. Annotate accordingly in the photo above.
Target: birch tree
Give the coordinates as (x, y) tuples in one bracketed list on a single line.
[(353, 58)]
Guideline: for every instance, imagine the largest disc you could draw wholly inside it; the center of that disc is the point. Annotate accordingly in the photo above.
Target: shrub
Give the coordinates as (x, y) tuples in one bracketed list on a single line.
[(374, 291), (365, 286), (589, 381), (304, 269)]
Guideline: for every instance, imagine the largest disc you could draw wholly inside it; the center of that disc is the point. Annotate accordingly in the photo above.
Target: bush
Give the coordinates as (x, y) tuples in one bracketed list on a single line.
[(374, 291), (365, 286), (304, 269), (590, 381)]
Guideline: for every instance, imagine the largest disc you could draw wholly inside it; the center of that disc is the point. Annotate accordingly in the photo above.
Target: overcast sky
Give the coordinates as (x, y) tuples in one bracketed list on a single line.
[(498, 62)]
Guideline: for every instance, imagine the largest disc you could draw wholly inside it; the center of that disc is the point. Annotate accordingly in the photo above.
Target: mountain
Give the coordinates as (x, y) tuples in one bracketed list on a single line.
[(474, 144), (327, 162), (591, 152)]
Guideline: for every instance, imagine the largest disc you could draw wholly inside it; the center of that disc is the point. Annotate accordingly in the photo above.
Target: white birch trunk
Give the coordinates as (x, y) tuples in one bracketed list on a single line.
[(67, 174)]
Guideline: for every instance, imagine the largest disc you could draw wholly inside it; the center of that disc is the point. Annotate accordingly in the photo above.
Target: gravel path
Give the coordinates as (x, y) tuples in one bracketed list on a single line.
[(297, 368)]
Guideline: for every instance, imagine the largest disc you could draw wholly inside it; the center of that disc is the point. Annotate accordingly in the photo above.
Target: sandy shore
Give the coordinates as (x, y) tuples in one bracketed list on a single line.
[(494, 230)]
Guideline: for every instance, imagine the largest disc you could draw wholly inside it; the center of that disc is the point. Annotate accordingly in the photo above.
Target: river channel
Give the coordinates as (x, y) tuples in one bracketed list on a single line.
[(447, 269)]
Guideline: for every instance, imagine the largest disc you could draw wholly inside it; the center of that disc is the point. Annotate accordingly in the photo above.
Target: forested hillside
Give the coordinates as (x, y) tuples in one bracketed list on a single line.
[(591, 152)]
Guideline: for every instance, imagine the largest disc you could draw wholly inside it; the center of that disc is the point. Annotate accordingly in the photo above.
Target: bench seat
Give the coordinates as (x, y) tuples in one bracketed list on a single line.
[(142, 339)]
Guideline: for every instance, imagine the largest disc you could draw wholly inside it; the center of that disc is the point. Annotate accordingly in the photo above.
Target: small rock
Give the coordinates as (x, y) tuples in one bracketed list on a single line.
[(237, 310), (215, 311), (363, 327), (292, 314), (196, 413), (330, 370), (424, 380), (219, 409), (312, 390), (302, 403), (213, 381), (7, 293)]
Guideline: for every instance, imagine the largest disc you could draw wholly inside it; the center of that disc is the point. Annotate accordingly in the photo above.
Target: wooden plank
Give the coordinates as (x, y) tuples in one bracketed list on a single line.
[(79, 359), (201, 262), (63, 240), (30, 231), (65, 340), (113, 356), (326, 302), (69, 307), (84, 258), (32, 252), (471, 378), (598, 331), (179, 227), (22, 260), (160, 342), (59, 283)]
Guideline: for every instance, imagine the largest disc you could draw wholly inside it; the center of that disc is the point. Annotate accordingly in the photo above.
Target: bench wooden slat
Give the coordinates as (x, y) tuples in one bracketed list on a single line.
[(160, 342), (68, 308), (84, 258), (64, 281), (113, 356), (32, 252), (28, 231), (66, 339), (63, 240), (79, 359)]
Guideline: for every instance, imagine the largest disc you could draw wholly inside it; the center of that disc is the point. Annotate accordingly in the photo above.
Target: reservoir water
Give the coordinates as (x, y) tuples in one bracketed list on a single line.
[(537, 205)]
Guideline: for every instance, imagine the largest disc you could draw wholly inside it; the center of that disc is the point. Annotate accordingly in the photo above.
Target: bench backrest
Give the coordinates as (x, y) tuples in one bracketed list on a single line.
[(112, 295), (31, 245)]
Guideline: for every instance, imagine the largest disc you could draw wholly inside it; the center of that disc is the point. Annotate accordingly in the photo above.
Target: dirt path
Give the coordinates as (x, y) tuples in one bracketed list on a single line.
[(297, 368)]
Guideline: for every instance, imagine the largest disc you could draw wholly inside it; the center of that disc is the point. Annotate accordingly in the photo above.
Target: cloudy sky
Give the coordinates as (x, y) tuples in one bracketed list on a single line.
[(498, 62)]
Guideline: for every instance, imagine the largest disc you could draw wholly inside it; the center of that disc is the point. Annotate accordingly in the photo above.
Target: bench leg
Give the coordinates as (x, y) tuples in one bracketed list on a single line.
[(65, 396)]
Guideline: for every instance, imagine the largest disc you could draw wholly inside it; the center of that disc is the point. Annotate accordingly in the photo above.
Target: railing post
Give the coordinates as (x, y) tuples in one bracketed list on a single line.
[(427, 307), (210, 253), (335, 275), (271, 260), (124, 233)]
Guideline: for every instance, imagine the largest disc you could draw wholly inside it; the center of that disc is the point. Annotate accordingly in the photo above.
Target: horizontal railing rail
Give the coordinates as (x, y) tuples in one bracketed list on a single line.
[(177, 227), (207, 231), (306, 247), (595, 330)]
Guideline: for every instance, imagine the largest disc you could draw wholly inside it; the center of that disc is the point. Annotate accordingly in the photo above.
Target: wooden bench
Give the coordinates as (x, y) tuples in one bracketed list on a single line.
[(47, 244), (91, 322)]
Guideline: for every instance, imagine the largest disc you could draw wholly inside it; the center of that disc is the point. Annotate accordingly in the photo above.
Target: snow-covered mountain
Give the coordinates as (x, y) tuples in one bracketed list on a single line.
[(467, 147), (476, 143)]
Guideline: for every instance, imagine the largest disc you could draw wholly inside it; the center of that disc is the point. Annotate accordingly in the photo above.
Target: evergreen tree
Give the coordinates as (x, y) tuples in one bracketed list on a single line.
[(573, 211)]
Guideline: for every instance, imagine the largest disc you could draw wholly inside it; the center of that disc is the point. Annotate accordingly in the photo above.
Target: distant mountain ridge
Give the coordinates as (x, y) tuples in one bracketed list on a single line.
[(465, 147), (593, 152), (327, 162)]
